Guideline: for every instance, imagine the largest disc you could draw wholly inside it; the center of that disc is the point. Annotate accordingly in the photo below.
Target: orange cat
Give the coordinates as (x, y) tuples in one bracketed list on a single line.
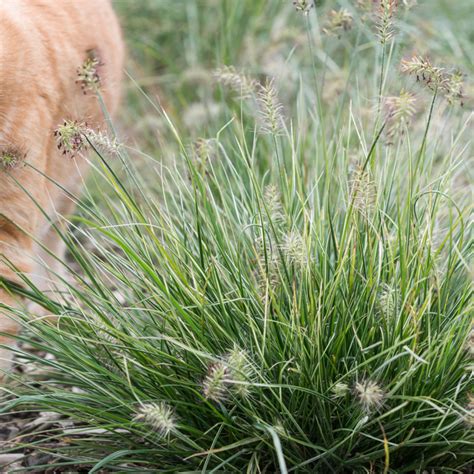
[(43, 44)]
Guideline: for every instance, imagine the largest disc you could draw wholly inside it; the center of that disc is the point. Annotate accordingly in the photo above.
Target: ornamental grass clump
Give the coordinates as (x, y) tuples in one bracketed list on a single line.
[(265, 300)]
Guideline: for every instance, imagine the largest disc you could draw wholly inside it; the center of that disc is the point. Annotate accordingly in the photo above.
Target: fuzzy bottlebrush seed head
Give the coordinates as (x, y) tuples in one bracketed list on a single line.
[(203, 151), (366, 8), (102, 142), (369, 394), (363, 192), (435, 78), (10, 158), (399, 111), (70, 137), (241, 370), (295, 249), (73, 137), (272, 199), (270, 109), (424, 71), (268, 258), (159, 416), (385, 17), (303, 6), (340, 390), (338, 22), (228, 376), (454, 91), (237, 81), (268, 275), (215, 385), (387, 301), (88, 74)]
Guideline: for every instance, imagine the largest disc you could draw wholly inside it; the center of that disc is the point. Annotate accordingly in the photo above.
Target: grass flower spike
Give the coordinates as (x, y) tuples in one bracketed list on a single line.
[(435, 78), (102, 142), (303, 6), (10, 158), (267, 272), (88, 74), (364, 192), (338, 22), (70, 137), (270, 109), (469, 415), (240, 370), (369, 394), (385, 20), (272, 200), (340, 390), (159, 416), (215, 385), (237, 81), (295, 249), (387, 301), (73, 137), (399, 111)]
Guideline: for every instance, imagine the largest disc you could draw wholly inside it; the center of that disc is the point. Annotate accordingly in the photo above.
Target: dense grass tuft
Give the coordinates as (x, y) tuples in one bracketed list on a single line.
[(288, 293)]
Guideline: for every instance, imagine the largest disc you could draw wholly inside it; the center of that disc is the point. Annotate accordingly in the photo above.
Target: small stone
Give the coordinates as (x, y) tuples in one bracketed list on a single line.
[(6, 459)]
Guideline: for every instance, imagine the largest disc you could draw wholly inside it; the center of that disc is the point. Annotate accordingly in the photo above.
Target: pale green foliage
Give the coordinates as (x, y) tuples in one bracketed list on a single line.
[(266, 298)]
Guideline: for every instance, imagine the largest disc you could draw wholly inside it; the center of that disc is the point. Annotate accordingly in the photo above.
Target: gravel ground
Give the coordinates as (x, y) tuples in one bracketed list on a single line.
[(26, 427)]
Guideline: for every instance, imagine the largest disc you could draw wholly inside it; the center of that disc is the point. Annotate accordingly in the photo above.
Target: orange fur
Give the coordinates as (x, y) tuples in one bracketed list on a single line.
[(42, 44)]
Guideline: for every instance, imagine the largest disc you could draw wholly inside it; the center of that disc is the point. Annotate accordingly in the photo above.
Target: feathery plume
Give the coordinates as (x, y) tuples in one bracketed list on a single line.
[(338, 22), (159, 416), (88, 73), (369, 394), (10, 158), (387, 301), (294, 248), (236, 81), (270, 109), (454, 91), (340, 390), (435, 78), (398, 113), (424, 71), (272, 200), (224, 377), (73, 136), (215, 385), (240, 370), (385, 14), (363, 192), (203, 150), (303, 6), (102, 142), (268, 268), (70, 138)]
